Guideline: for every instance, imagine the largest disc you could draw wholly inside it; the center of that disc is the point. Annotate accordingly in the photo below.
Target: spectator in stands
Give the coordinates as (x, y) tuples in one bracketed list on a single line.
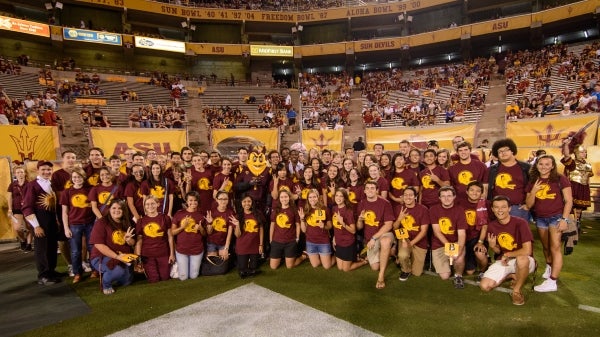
[(125, 94), (33, 119), (50, 118)]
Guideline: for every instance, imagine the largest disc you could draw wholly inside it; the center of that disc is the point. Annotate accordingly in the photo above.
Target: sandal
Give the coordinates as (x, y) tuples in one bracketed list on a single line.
[(380, 284), (108, 291)]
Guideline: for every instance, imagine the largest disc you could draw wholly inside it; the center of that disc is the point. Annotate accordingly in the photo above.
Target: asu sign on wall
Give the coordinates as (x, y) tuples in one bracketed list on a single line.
[(550, 132), (118, 140), (21, 142)]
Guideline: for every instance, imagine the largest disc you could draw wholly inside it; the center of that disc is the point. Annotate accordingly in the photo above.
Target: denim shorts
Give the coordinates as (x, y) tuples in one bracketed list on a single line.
[(551, 221), (318, 248), (213, 247)]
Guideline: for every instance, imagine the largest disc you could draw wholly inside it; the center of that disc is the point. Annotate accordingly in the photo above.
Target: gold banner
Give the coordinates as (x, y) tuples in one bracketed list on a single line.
[(549, 132), (90, 101), (390, 138), (324, 49), (118, 140), (6, 231), (271, 50), (323, 139), (24, 26), (380, 44), (499, 25), (435, 37), (214, 49), (21, 142), (290, 15), (228, 141)]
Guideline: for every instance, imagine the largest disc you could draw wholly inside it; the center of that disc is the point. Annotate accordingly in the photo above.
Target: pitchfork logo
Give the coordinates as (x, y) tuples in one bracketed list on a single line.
[(25, 145)]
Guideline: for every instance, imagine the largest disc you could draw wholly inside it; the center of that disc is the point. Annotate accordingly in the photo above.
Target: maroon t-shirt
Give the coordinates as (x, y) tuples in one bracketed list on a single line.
[(17, 195), (462, 174), (376, 214), (61, 180), (382, 185), (429, 190), (161, 191), (549, 199), (218, 182), (80, 210), (221, 224), (154, 232), (343, 238), (356, 194), (202, 183), (284, 223), (511, 183), (132, 190), (417, 216), (512, 235), (283, 185), (103, 233), (102, 194), (189, 241), (249, 241), (314, 234), (471, 216), (304, 189), (93, 174), (450, 220), (399, 181)]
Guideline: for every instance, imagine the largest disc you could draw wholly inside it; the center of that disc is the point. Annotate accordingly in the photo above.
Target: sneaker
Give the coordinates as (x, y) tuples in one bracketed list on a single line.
[(70, 271), (46, 281), (547, 272), (459, 283), (28, 248), (548, 285), (404, 276), (517, 298), (23, 245), (86, 267)]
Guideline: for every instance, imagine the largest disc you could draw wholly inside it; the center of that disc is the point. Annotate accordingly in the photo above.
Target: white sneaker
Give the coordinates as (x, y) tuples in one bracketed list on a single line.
[(71, 273), (86, 267), (547, 286), (547, 272)]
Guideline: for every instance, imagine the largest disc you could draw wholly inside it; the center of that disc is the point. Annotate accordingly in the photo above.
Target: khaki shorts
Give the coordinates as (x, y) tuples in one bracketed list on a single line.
[(441, 262), (373, 253), (499, 272)]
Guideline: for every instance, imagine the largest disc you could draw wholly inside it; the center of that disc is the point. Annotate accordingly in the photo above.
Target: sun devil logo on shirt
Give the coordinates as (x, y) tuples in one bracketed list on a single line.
[(153, 230), (189, 225), (465, 177), (219, 224), (426, 181), (408, 222), (118, 237), (283, 221), (506, 241), (504, 180), (446, 226), (250, 226), (470, 215), (398, 183), (371, 219), (543, 192)]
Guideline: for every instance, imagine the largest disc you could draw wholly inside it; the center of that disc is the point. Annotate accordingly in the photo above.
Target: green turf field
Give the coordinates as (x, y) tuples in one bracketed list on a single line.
[(423, 306)]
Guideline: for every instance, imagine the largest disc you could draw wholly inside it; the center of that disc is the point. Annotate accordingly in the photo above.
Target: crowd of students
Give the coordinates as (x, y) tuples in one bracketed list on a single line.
[(333, 209)]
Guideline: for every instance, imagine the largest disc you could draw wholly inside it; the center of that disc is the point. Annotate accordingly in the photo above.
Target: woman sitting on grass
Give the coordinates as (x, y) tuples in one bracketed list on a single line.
[(315, 221), (113, 236)]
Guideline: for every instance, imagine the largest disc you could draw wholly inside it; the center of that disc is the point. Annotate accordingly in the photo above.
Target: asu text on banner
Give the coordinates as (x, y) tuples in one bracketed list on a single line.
[(21, 142), (228, 141), (391, 137), (118, 140), (6, 232), (323, 139), (549, 132)]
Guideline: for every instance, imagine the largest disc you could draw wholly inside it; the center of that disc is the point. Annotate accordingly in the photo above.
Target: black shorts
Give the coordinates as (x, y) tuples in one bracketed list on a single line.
[(292, 121), (280, 250), (470, 259), (346, 253), (17, 211)]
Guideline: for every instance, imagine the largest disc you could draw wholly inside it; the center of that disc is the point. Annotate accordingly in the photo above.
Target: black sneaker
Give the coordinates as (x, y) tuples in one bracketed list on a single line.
[(23, 246), (459, 283), (404, 276), (28, 248)]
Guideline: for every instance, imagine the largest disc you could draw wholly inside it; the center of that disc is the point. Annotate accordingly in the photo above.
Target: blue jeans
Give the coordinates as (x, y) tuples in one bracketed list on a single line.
[(189, 265), (515, 210), (78, 231), (120, 275), (545, 223)]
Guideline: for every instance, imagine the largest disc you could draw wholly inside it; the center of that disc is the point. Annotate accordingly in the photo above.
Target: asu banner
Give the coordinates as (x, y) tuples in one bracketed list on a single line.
[(228, 141), (118, 140), (325, 139), (549, 132), (391, 137), (6, 231), (21, 142)]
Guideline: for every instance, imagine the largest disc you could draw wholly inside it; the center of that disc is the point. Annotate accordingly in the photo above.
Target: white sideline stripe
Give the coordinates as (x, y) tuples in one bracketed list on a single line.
[(473, 283), (589, 308), (249, 310)]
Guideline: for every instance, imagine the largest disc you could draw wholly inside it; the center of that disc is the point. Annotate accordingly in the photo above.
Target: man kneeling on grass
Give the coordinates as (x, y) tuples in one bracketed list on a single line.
[(511, 239)]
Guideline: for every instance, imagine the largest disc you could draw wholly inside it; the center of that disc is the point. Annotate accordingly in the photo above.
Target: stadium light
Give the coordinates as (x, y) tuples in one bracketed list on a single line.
[(59, 5), (48, 6), (193, 27), (585, 33), (184, 24)]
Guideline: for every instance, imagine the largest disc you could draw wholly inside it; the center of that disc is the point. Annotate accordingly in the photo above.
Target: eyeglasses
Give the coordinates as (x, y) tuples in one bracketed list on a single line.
[(503, 150)]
